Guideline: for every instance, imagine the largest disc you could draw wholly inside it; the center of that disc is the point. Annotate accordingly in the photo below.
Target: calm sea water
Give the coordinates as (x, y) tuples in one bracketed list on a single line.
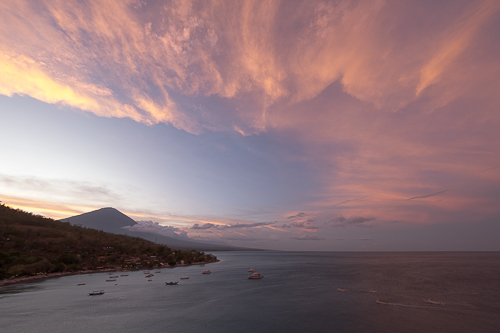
[(297, 294)]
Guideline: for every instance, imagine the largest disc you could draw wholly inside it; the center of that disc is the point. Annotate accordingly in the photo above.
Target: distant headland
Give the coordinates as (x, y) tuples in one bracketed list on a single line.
[(35, 247)]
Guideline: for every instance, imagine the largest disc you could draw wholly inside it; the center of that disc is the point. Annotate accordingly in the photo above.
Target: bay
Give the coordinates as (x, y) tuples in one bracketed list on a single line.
[(299, 293)]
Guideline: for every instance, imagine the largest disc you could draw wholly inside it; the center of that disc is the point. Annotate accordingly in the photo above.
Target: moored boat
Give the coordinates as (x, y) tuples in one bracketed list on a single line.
[(206, 272), (110, 280), (255, 276), (171, 283), (184, 277), (251, 270), (96, 292), (434, 302)]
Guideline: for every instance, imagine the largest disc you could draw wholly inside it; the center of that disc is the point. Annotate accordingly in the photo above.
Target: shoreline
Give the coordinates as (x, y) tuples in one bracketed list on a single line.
[(33, 278)]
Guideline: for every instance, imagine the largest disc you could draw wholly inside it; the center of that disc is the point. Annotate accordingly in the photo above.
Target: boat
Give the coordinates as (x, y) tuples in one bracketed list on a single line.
[(255, 276), (81, 284), (373, 291), (145, 272), (434, 302), (149, 275), (171, 283), (96, 292), (251, 270), (124, 275), (206, 272), (114, 276), (158, 272), (184, 277), (380, 302), (150, 279), (340, 289), (110, 280)]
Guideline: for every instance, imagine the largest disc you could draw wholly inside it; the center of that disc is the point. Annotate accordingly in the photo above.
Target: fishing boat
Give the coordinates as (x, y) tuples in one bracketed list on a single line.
[(254, 276), (184, 277), (96, 292), (251, 270), (434, 302), (171, 283), (340, 289), (206, 272)]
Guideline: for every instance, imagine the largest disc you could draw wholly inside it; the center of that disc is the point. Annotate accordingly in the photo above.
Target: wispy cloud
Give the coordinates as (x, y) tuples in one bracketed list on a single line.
[(196, 226), (297, 216), (427, 195), (307, 237), (301, 225), (342, 221)]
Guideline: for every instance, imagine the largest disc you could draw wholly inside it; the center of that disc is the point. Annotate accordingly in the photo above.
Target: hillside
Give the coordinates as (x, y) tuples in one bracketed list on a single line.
[(31, 244), (111, 220)]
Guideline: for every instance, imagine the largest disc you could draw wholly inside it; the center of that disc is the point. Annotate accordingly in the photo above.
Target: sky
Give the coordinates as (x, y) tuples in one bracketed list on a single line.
[(285, 125)]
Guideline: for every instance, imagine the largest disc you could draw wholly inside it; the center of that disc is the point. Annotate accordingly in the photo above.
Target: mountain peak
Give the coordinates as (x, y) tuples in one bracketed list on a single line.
[(107, 219)]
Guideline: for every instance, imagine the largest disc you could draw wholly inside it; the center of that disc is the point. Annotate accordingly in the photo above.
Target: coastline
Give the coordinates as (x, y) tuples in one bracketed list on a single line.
[(33, 278)]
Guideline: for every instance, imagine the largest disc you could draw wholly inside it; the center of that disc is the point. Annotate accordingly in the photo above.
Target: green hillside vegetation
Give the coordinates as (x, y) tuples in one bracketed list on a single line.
[(32, 244)]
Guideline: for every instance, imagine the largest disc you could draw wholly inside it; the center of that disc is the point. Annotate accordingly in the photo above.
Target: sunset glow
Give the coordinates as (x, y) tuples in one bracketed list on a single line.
[(266, 124)]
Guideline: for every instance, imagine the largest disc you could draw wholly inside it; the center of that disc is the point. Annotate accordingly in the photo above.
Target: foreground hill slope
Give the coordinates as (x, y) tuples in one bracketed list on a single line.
[(111, 220), (32, 244)]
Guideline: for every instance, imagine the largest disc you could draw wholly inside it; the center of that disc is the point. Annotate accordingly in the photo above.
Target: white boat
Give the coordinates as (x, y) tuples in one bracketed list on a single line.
[(434, 302), (149, 275), (255, 276), (206, 272), (184, 277), (251, 270), (96, 292), (340, 289), (380, 302)]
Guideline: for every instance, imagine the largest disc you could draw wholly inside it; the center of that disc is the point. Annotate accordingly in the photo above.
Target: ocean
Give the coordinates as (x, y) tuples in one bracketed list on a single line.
[(299, 293)]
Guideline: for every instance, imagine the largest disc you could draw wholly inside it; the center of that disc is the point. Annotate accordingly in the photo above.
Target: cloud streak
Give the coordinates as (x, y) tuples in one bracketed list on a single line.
[(308, 238), (427, 195)]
